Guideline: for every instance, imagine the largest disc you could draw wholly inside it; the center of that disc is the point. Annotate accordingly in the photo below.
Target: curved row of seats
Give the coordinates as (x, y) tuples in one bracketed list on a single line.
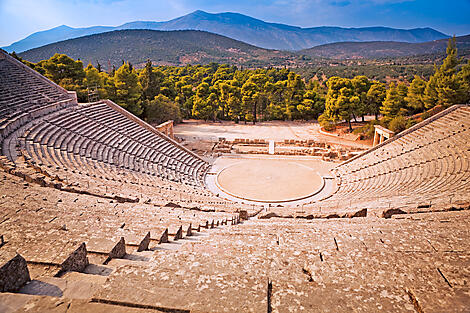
[(43, 122), (75, 137), (428, 165)]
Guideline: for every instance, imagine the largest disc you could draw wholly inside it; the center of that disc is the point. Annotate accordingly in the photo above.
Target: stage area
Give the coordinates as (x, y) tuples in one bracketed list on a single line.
[(193, 131), (270, 180)]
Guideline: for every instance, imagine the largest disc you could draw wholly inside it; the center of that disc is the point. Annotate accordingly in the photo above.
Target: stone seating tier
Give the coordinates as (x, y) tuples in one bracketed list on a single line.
[(427, 166)]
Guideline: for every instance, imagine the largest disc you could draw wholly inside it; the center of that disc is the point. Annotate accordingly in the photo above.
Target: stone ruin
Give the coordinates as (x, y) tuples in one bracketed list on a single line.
[(326, 151), (100, 212)]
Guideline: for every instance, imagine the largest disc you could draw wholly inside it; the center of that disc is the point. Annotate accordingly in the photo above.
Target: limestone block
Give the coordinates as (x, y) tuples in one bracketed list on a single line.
[(13, 271), (77, 261)]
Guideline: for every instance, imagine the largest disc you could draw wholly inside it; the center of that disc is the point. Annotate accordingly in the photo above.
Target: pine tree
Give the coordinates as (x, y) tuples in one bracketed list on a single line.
[(431, 96), (444, 87), (415, 96), (92, 77), (249, 96), (375, 97), (128, 90), (150, 81), (361, 85), (394, 102), (161, 109), (202, 107), (341, 102), (464, 78)]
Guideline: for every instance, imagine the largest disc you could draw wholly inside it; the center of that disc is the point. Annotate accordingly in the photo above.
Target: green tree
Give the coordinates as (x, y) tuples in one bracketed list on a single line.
[(234, 101), (249, 100), (128, 90), (92, 76), (464, 78), (150, 81), (431, 96), (161, 109), (375, 97), (66, 72), (361, 85), (294, 92), (109, 87), (341, 101), (444, 87), (277, 99), (224, 90), (203, 108), (95, 79), (415, 96), (185, 99), (312, 105), (398, 124), (394, 103)]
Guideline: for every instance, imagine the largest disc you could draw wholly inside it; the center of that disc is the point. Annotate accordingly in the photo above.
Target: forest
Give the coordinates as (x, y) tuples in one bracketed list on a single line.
[(222, 92)]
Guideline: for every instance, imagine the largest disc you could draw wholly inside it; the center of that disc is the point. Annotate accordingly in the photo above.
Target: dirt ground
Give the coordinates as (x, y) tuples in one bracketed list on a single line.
[(196, 131), (271, 178)]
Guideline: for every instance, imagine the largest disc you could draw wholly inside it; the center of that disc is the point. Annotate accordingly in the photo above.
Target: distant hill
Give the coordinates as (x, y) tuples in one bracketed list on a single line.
[(383, 49), (54, 35), (161, 47), (244, 28)]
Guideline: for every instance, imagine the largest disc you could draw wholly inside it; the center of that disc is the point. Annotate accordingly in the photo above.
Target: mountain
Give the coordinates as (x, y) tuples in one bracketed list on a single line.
[(383, 49), (243, 28), (162, 47), (53, 35)]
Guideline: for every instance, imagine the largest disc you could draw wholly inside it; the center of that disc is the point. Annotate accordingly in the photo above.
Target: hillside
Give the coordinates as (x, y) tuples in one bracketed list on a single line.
[(162, 47), (243, 28), (55, 34), (383, 49)]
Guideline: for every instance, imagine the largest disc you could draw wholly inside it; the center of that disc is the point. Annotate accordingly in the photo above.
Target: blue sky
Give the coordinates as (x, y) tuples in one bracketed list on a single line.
[(19, 18)]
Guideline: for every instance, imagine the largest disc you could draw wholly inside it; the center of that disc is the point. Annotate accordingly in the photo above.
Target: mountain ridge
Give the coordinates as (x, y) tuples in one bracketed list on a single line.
[(383, 49), (243, 28), (193, 47), (161, 47)]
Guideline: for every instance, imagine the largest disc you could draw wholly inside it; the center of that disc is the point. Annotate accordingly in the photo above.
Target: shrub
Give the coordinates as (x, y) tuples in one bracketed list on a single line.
[(327, 123), (367, 131), (398, 124), (410, 122)]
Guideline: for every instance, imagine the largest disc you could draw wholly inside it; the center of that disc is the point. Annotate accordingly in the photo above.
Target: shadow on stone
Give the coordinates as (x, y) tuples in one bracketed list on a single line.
[(40, 288), (94, 269), (134, 257)]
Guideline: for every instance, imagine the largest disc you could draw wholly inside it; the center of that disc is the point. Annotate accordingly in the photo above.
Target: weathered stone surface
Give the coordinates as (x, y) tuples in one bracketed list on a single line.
[(77, 261), (13, 271), (113, 248), (243, 215), (268, 215), (119, 249), (390, 212), (10, 303), (172, 205), (360, 213), (318, 260), (144, 244)]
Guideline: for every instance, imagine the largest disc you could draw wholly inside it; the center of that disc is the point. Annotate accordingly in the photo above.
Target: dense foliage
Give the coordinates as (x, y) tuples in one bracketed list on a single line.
[(447, 86), (218, 91)]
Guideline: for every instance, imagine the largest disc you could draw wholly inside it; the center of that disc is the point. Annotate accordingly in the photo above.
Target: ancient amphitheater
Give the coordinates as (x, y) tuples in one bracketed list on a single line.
[(102, 213)]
